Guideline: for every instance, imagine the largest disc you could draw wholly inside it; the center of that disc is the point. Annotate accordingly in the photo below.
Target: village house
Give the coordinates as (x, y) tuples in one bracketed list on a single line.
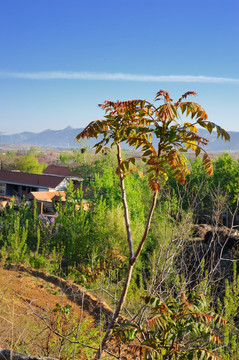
[(57, 170), (46, 189), (15, 183)]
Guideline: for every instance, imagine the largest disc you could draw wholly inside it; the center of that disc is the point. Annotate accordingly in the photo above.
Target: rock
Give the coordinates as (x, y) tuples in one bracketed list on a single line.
[(8, 355), (222, 235)]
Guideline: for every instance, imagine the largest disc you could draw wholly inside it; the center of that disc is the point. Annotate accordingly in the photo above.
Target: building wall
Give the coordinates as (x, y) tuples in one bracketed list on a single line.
[(62, 186), (2, 188)]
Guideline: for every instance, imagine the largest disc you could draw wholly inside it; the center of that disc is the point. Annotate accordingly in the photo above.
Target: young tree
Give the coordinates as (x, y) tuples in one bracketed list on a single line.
[(163, 137), (30, 164), (225, 176), (174, 330)]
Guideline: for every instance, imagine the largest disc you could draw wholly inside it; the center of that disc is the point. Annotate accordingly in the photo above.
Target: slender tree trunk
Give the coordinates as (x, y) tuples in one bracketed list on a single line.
[(124, 201), (132, 257), (127, 281), (141, 244), (117, 311), (131, 254)]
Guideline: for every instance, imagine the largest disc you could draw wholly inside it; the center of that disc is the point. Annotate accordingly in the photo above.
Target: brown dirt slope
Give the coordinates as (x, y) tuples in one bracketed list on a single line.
[(31, 301), (73, 292)]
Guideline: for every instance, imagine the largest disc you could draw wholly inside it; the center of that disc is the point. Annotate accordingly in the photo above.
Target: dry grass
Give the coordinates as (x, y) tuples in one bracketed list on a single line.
[(22, 297), (32, 301)]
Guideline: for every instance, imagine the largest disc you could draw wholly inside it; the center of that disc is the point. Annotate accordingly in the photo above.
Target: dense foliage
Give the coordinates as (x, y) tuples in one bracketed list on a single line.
[(97, 237), (88, 246), (174, 330)]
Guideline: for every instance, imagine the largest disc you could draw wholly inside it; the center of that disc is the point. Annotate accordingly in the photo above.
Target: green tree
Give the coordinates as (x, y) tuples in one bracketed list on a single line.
[(194, 195), (225, 177), (33, 150), (71, 238), (30, 164), (136, 122)]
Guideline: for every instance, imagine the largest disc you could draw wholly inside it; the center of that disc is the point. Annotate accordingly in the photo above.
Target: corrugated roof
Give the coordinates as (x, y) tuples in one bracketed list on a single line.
[(36, 180)]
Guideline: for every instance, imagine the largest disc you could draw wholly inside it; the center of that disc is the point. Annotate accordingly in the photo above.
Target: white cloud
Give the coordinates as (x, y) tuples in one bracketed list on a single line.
[(67, 75)]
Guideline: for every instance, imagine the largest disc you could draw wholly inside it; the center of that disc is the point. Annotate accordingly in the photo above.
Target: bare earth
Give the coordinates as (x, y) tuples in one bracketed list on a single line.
[(32, 301)]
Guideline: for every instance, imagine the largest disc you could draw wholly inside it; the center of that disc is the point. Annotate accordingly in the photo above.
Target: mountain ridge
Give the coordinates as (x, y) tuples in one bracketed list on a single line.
[(65, 138)]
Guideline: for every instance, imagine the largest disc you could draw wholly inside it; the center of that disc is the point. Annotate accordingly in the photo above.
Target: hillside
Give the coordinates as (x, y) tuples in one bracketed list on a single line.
[(33, 305)]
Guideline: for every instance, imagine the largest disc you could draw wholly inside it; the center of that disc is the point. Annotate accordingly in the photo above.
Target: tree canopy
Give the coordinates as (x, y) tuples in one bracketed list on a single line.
[(137, 122)]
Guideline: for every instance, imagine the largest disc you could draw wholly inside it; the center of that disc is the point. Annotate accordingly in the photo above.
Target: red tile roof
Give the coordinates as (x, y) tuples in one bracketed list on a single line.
[(57, 170), (35, 180)]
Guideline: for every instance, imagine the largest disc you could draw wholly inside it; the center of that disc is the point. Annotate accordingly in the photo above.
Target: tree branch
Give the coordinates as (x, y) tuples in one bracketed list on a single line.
[(124, 201), (141, 244)]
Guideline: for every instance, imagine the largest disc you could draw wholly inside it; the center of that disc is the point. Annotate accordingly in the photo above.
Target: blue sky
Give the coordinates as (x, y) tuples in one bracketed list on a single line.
[(60, 58)]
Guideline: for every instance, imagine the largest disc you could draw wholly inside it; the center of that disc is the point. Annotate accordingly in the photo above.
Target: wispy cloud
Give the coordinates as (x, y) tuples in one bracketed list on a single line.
[(67, 75)]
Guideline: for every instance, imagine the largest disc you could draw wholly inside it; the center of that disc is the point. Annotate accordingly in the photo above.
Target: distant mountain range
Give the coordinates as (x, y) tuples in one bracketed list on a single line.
[(66, 139), (48, 138)]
